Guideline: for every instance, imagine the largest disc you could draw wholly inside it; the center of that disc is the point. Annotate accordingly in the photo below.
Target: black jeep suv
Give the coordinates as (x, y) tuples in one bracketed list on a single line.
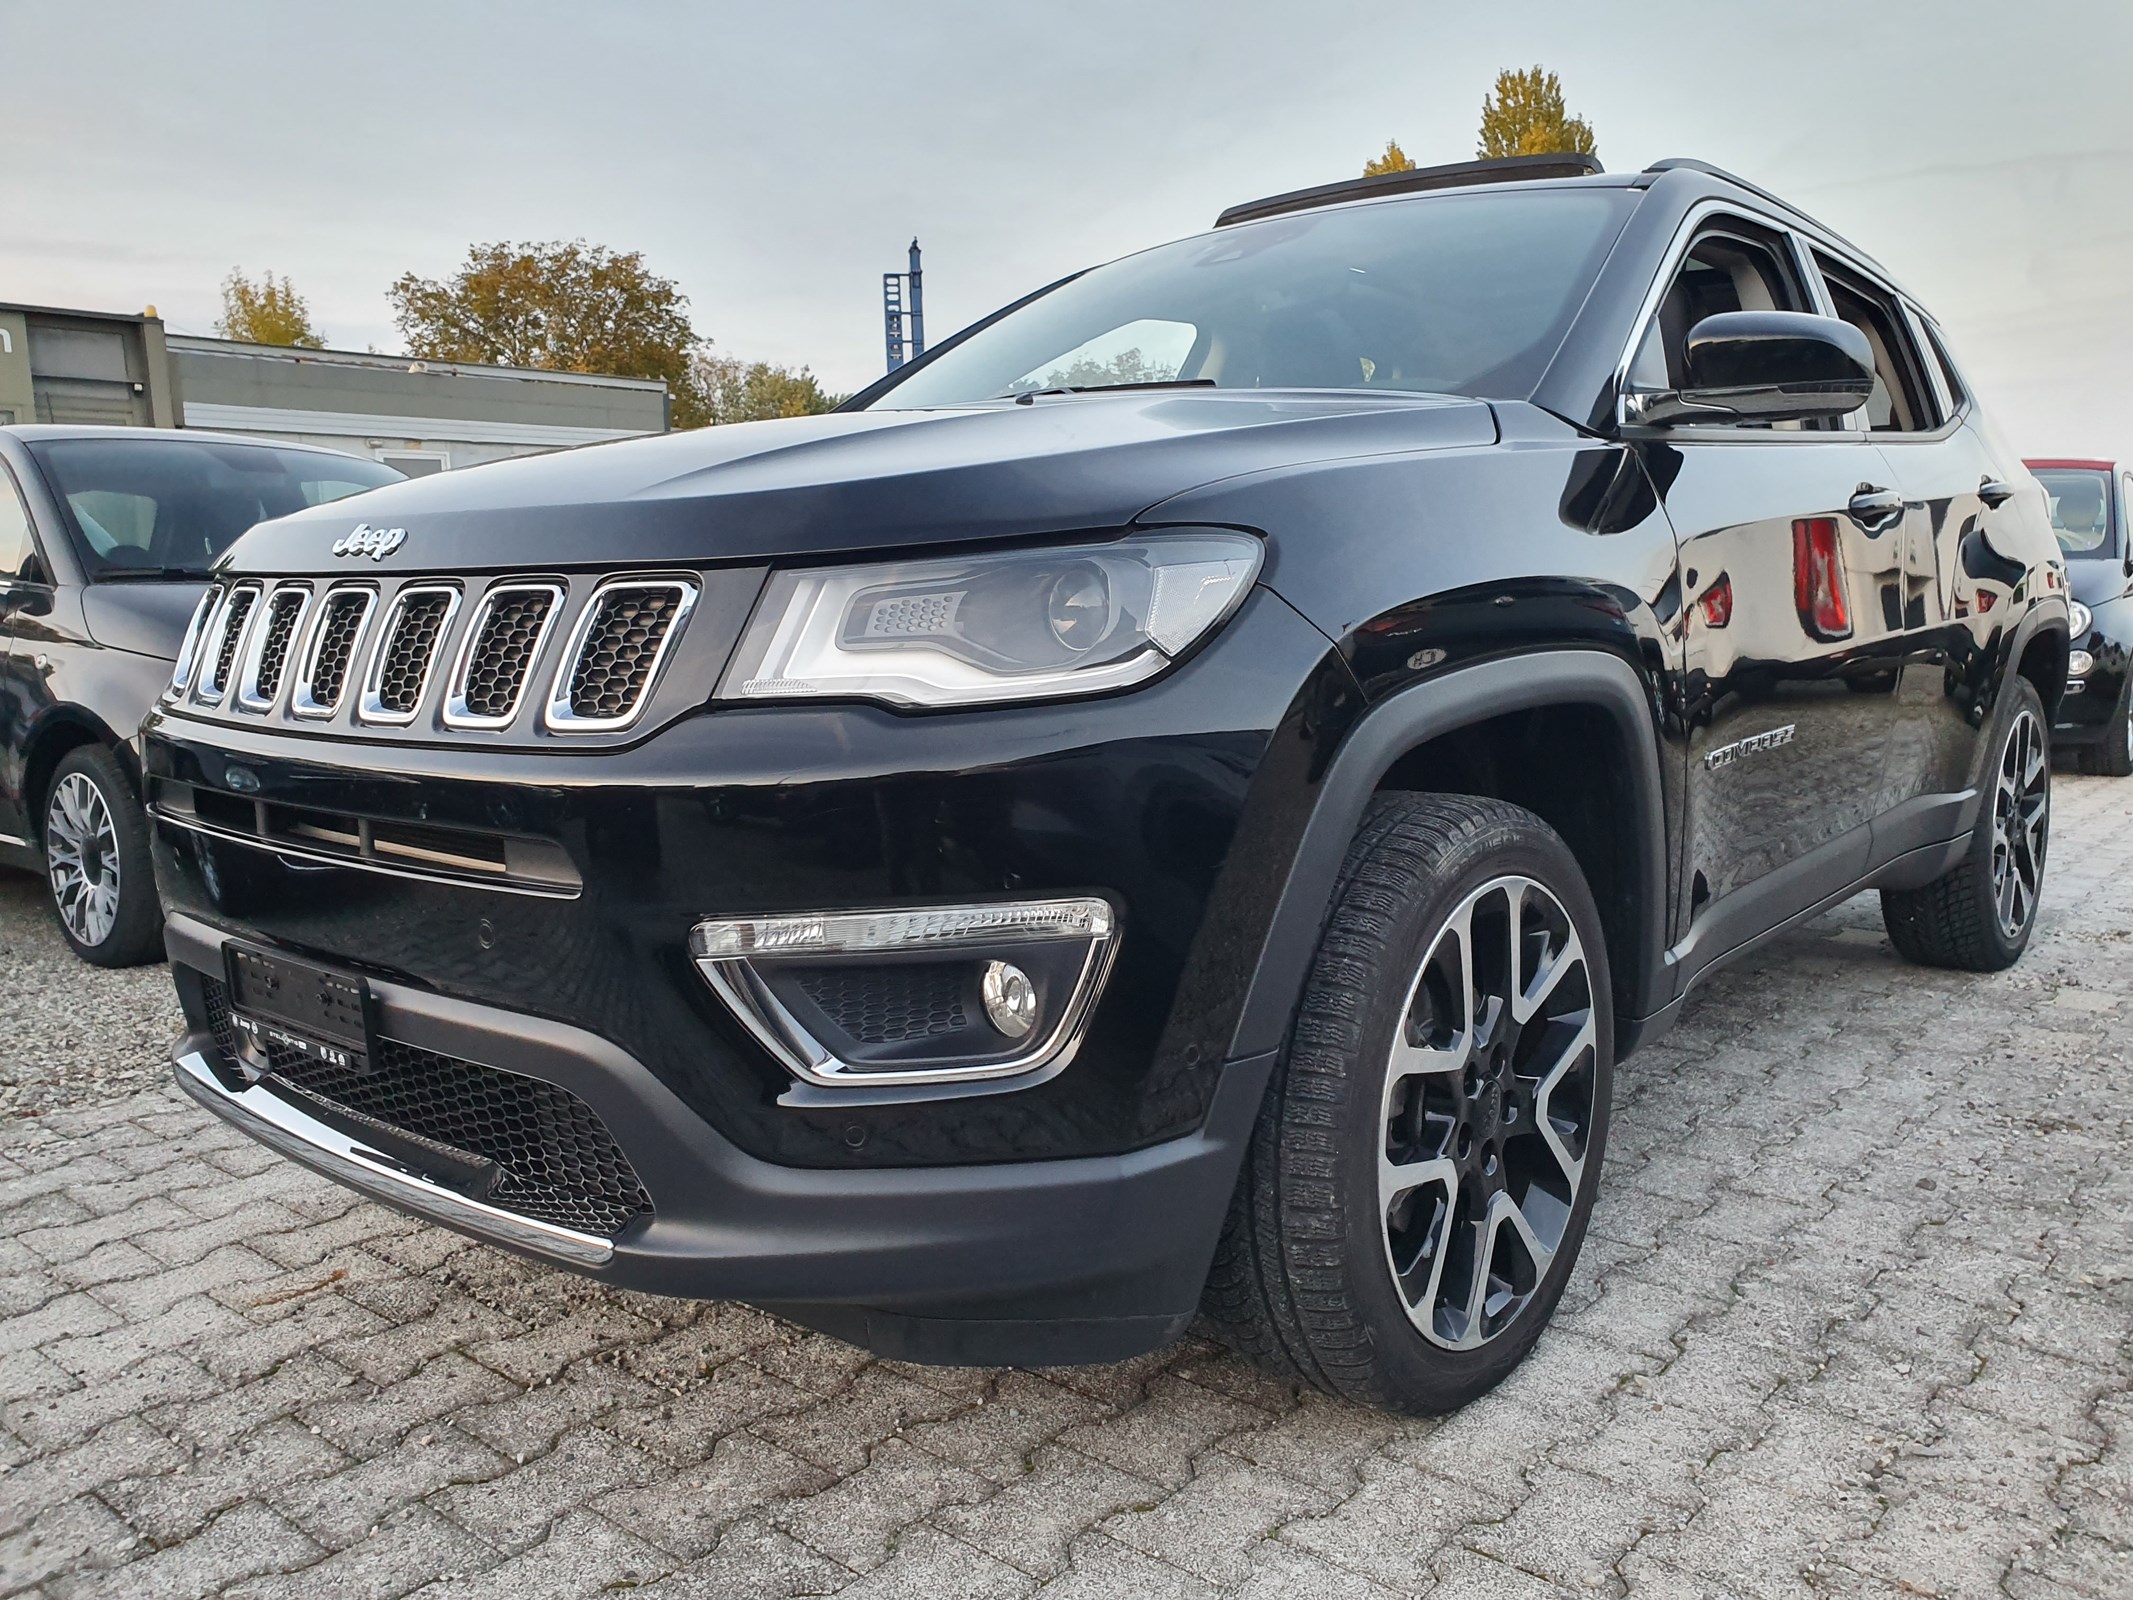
[(1172, 804)]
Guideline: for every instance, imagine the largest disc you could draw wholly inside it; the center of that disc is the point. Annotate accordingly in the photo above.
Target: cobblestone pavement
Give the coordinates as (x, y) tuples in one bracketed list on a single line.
[(1854, 1320)]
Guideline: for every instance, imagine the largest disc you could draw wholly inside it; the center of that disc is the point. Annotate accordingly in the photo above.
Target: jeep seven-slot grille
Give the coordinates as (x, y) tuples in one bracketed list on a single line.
[(503, 650), (282, 613), (239, 607), (337, 630), (621, 646), (404, 665), (542, 1151)]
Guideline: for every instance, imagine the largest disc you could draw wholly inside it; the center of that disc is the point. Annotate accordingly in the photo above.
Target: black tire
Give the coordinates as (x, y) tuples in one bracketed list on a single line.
[(1962, 919), (2113, 758), (130, 932), (1304, 1280)]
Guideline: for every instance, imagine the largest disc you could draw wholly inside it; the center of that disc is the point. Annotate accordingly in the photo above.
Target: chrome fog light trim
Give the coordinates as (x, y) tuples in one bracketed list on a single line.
[(735, 954), (2079, 663)]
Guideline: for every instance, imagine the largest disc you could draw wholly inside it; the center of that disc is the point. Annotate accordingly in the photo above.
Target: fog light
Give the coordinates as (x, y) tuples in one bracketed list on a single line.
[(914, 994), (1010, 998), (2079, 663)]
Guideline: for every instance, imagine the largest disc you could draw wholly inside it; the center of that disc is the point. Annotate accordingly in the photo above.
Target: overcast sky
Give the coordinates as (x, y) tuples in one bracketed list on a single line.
[(776, 157)]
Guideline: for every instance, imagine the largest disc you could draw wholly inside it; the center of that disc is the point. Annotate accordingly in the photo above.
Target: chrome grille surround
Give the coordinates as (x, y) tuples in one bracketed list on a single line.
[(330, 652), (647, 656), (266, 659), (221, 653), (409, 639), (181, 672), (482, 651)]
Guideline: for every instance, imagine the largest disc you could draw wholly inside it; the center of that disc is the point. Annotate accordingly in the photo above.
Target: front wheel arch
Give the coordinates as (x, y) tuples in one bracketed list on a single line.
[(1411, 719)]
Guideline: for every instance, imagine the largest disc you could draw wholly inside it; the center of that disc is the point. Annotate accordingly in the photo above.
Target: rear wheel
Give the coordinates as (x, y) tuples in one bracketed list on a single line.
[(96, 858), (1978, 915), (1418, 1184)]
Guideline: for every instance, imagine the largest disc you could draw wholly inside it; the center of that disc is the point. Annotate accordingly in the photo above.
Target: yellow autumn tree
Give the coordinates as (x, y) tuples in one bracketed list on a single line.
[(1526, 117), (267, 312), (1393, 160)]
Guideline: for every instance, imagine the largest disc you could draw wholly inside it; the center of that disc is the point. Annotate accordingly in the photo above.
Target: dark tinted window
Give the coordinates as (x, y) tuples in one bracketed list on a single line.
[(1900, 403), (1459, 294), (176, 504), (2081, 509), (15, 544)]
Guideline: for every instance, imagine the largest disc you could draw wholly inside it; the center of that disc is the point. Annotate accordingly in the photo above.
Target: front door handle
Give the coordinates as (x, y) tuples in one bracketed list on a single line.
[(1994, 492), (1875, 508)]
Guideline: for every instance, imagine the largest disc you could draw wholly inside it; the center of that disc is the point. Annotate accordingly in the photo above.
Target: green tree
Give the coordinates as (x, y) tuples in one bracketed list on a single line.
[(558, 307), (729, 389), (1393, 160), (1526, 117), (267, 312)]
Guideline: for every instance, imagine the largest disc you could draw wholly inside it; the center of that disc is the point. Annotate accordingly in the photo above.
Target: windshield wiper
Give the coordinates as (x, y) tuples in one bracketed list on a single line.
[(1029, 396), (150, 575)]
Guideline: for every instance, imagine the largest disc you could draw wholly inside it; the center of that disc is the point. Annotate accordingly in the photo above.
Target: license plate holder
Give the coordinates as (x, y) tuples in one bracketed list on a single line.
[(277, 1000)]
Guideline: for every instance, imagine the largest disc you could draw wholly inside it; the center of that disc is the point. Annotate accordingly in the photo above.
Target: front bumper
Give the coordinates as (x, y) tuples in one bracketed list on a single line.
[(1093, 1259)]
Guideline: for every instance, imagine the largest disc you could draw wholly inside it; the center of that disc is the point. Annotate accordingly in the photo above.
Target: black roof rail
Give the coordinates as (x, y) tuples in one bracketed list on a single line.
[(1459, 175)]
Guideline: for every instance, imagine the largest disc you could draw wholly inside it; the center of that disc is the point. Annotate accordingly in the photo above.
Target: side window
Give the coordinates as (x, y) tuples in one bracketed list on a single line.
[(1900, 402), (17, 552), (1733, 267)]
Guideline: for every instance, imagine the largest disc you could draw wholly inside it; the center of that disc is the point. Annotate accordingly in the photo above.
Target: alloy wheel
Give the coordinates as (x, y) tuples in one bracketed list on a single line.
[(2021, 823), (1488, 1112), (81, 848)]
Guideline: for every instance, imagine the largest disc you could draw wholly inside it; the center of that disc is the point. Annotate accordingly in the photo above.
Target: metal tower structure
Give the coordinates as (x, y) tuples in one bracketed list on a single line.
[(903, 312)]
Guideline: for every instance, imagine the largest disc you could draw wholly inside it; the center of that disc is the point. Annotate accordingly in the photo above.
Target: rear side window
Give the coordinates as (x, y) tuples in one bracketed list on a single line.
[(1901, 402), (16, 547), (1957, 394)]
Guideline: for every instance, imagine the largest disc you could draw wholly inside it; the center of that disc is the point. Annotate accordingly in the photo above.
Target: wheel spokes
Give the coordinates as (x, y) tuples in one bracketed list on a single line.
[(1489, 1105)]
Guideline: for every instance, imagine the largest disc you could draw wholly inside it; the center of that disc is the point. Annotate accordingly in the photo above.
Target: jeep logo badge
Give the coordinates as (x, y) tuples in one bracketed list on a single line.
[(364, 540)]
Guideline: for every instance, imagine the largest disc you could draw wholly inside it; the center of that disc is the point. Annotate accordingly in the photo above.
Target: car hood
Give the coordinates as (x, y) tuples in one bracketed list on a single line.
[(856, 481), (2093, 582), (148, 619)]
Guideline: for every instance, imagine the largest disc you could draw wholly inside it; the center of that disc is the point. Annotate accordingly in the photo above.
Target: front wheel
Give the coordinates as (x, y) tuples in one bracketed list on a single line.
[(96, 857), (1978, 916), (1419, 1182)]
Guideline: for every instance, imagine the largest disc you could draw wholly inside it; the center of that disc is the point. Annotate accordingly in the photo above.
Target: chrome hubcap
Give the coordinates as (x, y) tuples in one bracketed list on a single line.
[(1488, 1112), (81, 848), (2021, 823)]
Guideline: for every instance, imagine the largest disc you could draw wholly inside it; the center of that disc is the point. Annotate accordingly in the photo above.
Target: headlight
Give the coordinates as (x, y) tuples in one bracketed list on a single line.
[(1014, 625), (2079, 618)]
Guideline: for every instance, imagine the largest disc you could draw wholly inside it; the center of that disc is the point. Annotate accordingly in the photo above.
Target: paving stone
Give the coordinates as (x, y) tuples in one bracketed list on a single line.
[(1209, 1527), (856, 1519), (514, 1509), (582, 1555), (241, 1543), (688, 1514), (339, 1510), (1032, 1520)]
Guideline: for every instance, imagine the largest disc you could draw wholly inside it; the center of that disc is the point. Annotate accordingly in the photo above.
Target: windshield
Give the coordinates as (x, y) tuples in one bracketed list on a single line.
[(2081, 509), (1453, 294), (171, 506)]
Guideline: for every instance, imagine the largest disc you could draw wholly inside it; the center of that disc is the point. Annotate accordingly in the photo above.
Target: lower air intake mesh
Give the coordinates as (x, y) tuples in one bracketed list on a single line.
[(559, 1163), (890, 1004)]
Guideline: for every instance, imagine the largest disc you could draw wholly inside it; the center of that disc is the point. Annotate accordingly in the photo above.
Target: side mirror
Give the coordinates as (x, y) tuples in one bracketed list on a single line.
[(1764, 366)]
